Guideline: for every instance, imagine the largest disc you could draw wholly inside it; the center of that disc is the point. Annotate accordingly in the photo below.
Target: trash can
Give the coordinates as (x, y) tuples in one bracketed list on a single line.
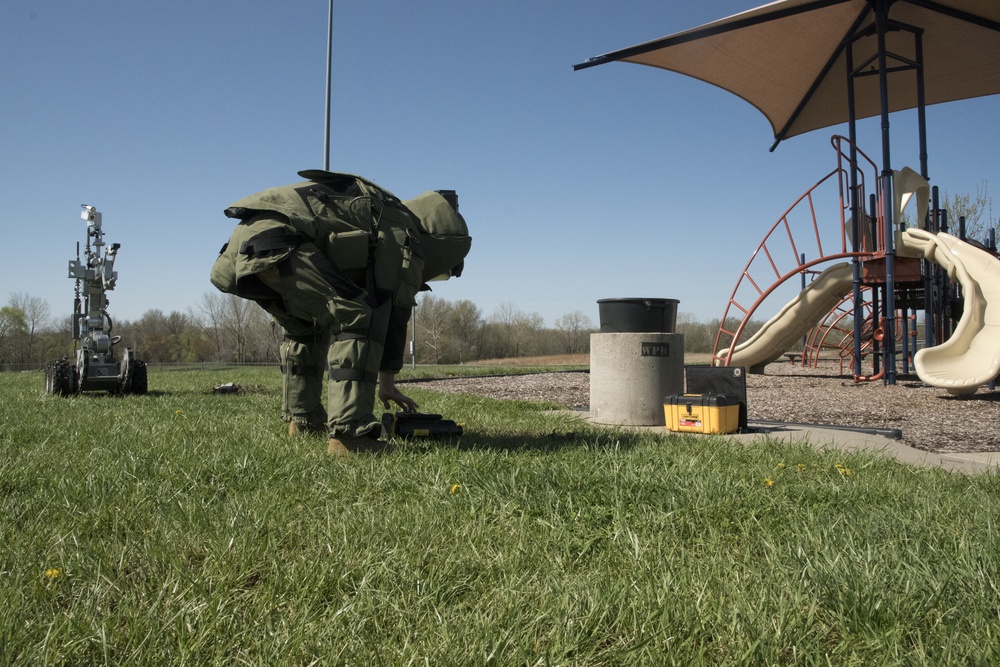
[(638, 315)]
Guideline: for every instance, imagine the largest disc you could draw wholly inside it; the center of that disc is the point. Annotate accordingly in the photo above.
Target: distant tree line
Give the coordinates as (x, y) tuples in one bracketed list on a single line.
[(224, 328)]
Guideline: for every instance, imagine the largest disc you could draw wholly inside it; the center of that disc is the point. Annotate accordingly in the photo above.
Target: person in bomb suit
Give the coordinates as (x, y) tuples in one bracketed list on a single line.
[(337, 261)]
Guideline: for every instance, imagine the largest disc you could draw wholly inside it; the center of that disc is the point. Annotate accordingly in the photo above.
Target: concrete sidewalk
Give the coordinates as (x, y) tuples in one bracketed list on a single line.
[(855, 440), (848, 440)]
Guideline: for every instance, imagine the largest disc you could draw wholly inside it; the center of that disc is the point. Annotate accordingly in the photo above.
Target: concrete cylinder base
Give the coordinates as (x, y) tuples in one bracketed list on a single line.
[(630, 373)]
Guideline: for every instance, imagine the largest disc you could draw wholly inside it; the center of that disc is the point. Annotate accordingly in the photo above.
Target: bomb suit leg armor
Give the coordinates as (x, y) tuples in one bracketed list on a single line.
[(329, 321), (303, 362), (354, 359)]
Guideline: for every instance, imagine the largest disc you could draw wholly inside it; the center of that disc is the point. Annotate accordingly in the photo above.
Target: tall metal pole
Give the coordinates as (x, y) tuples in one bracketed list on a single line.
[(329, 70), (889, 344), (856, 208), (918, 39)]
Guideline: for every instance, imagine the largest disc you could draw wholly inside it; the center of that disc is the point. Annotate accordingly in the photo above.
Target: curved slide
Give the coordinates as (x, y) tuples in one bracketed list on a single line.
[(971, 357), (798, 316)]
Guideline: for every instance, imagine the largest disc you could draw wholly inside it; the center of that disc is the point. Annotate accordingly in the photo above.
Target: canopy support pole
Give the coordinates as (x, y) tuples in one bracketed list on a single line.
[(921, 105), (855, 213), (889, 343)]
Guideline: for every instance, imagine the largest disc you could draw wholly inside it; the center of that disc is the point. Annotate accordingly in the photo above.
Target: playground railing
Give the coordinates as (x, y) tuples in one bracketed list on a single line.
[(782, 254)]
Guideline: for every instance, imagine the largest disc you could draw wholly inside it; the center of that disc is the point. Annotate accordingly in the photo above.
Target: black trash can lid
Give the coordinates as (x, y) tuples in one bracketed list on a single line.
[(637, 300)]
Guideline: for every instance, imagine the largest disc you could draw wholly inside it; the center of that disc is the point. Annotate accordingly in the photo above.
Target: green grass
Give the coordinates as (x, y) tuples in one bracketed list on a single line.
[(185, 528)]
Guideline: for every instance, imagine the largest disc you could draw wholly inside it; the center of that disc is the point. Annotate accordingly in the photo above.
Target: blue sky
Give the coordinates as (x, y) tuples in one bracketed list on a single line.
[(616, 181)]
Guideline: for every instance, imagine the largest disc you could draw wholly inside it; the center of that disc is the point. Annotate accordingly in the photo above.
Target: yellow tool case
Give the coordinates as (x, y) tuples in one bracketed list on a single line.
[(702, 413)]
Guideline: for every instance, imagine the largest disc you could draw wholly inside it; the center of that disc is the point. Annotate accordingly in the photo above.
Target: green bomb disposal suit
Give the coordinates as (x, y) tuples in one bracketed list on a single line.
[(338, 261)]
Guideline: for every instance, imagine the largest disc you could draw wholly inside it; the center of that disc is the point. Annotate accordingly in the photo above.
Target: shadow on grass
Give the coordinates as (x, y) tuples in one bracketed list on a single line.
[(110, 395), (538, 443)]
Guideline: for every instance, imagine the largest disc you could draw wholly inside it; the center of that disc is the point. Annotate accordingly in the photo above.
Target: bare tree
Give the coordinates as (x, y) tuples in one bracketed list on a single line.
[(210, 318), (971, 207), (265, 336), (150, 337), (239, 329), (37, 315), (447, 332), (466, 328), (575, 329), (698, 337), (966, 205), (514, 333), (431, 320), (501, 330), (12, 327)]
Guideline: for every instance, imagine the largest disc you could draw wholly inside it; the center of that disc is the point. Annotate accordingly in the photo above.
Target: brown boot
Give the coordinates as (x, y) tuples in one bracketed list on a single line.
[(345, 445), (295, 428), (337, 447)]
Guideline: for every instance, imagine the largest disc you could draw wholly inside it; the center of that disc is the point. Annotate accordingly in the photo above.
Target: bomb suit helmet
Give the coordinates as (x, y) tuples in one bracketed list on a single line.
[(444, 234)]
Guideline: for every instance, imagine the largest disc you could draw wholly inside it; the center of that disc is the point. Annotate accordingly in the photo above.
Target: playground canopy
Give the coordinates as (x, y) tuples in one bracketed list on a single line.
[(790, 59)]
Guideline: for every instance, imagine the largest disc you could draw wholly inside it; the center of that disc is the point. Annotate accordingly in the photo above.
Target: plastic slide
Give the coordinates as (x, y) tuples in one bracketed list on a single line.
[(968, 359), (795, 320), (971, 356)]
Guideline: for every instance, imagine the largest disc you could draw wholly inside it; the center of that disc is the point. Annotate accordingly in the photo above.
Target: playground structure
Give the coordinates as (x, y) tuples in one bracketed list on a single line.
[(843, 307), (97, 368), (809, 65)]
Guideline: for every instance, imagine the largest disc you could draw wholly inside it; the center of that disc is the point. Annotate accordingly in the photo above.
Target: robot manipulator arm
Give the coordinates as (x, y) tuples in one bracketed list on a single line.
[(108, 275)]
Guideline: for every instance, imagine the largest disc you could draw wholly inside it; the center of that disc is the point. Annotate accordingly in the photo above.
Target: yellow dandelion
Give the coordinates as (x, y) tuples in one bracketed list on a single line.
[(53, 573), (455, 488), (178, 412), (768, 482), (801, 466), (781, 465)]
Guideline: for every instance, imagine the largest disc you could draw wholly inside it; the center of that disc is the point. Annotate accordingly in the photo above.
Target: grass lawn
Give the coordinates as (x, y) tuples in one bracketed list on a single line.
[(184, 528)]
